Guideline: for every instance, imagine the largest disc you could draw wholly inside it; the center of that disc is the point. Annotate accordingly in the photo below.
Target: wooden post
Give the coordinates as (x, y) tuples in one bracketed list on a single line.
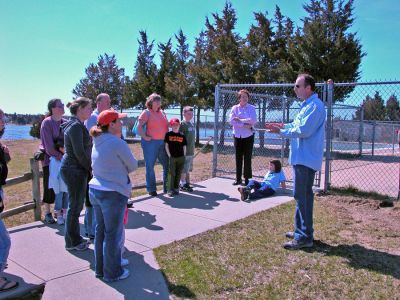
[(36, 189)]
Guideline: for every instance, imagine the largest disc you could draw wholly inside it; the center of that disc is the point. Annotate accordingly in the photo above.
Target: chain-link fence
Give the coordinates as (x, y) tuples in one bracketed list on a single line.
[(361, 147)]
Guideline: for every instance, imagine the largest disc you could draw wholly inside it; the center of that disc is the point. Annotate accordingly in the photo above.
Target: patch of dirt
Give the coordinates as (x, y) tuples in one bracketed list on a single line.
[(366, 223)]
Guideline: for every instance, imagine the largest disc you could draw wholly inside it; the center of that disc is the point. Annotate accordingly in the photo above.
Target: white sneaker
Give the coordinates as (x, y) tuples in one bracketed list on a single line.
[(124, 262), (60, 220)]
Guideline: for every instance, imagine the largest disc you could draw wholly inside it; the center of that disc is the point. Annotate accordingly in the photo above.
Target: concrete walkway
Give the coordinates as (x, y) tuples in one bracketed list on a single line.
[(38, 258)]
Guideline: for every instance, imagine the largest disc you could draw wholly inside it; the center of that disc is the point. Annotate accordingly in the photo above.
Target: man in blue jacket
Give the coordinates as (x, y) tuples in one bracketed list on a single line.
[(306, 134)]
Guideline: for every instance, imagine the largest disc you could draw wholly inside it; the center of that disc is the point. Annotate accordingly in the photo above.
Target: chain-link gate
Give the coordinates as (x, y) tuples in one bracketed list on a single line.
[(359, 152), (365, 145)]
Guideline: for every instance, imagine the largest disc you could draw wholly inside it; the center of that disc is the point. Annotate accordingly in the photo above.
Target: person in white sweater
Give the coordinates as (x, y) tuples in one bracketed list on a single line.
[(109, 190)]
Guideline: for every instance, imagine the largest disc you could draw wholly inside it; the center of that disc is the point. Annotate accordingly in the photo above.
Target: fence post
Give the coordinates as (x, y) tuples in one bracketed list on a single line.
[(283, 140), (328, 138), (216, 119), (373, 137), (36, 189), (361, 131), (393, 138)]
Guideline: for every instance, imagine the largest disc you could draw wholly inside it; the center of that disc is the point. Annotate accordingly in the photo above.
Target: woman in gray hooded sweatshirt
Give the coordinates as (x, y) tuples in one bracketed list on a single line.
[(109, 190), (75, 166)]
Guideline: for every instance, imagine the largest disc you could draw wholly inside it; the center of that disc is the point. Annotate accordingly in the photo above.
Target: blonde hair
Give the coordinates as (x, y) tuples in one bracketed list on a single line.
[(150, 99)]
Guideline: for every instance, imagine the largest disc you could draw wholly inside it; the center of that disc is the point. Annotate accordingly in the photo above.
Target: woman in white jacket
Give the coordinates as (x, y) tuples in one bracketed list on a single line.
[(109, 190)]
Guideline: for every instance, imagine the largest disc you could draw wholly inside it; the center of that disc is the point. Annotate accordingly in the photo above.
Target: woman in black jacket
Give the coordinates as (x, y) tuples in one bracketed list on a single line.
[(75, 167), (5, 241)]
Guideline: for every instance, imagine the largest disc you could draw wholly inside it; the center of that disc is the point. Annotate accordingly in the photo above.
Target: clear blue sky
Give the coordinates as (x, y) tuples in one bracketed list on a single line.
[(45, 45)]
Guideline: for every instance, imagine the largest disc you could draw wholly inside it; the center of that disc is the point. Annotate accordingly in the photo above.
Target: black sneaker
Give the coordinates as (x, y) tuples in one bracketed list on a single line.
[(295, 245), (154, 194), (386, 204), (48, 218), (237, 182), (186, 188)]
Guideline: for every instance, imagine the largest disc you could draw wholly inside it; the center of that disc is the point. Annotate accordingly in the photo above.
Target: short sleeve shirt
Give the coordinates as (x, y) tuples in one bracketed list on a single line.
[(156, 123), (175, 142), (187, 128), (273, 179)]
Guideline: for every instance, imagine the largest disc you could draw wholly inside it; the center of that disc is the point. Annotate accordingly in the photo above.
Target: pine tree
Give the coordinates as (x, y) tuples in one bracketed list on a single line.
[(103, 77), (226, 53), (325, 47), (168, 69), (392, 109), (374, 108), (181, 84), (145, 74), (202, 75)]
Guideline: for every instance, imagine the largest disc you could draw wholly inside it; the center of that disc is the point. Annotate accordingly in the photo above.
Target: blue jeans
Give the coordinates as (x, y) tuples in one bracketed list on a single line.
[(304, 196), (61, 201), (76, 181), (152, 150), (109, 208), (260, 190), (90, 221), (5, 245)]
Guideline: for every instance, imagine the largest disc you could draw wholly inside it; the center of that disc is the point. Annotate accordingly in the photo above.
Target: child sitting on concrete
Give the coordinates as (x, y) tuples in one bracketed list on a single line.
[(268, 186)]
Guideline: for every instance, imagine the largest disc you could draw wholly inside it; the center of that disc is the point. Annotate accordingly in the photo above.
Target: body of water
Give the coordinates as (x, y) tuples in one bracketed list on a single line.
[(17, 132), (21, 132)]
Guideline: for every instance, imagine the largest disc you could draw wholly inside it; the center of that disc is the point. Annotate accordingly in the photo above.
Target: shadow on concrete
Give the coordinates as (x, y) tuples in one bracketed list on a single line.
[(359, 257), (144, 282), (23, 290), (140, 218), (197, 199), (14, 230)]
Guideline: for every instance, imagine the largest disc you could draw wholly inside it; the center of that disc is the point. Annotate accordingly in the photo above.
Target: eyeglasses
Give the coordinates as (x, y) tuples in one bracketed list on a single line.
[(59, 105)]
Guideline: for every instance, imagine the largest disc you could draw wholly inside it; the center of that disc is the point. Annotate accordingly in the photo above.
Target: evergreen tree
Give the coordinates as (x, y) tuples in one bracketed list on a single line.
[(181, 86), (202, 75), (325, 47), (103, 77), (226, 54), (374, 108), (145, 74), (226, 46), (392, 109), (167, 71), (260, 61)]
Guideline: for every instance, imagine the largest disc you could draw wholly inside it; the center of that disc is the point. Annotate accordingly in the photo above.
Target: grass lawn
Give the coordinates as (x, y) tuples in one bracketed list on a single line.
[(356, 256), (22, 150)]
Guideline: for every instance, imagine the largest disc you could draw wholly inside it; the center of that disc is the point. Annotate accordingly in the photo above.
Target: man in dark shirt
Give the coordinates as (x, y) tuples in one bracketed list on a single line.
[(175, 146)]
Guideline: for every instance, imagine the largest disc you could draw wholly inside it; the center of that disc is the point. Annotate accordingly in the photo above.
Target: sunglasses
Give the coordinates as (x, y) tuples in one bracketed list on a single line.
[(59, 105), (297, 85)]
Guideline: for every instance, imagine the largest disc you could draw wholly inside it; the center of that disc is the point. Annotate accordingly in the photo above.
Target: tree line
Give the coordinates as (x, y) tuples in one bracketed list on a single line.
[(374, 108), (274, 50)]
